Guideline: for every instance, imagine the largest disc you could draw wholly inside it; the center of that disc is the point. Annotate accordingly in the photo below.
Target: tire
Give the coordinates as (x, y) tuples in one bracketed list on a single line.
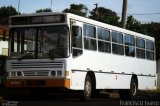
[(130, 94), (133, 89), (86, 93)]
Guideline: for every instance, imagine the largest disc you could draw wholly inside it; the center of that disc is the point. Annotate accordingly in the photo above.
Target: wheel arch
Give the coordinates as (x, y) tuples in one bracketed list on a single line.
[(134, 76), (91, 74)]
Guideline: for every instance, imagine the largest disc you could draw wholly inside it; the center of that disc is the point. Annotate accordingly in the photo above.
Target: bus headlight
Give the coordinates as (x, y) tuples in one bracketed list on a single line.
[(59, 73), (13, 74), (53, 73), (19, 73)]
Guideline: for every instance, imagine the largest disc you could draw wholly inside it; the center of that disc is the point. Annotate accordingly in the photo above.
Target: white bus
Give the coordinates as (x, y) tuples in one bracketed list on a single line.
[(63, 50)]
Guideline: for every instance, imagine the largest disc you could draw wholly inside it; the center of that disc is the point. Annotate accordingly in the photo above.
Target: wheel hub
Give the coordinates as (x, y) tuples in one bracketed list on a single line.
[(134, 89), (88, 88)]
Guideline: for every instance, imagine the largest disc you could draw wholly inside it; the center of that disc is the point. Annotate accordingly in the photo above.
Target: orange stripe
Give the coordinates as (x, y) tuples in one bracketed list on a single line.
[(54, 83)]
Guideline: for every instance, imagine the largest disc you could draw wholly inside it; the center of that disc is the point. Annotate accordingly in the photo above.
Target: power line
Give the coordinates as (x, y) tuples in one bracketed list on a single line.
[(143, 14), (146, 14)]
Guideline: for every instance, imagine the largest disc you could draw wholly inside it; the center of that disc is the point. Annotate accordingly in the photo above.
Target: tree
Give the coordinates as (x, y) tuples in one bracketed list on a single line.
[(44, 10), (5, 12), (153, 29), (150, 29), (78, 9), (104, 15), (134, 25)]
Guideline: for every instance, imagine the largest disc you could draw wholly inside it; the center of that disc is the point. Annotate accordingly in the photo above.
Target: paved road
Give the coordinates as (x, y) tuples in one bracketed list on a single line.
[(71, 102), (63, 101), (67, 100)]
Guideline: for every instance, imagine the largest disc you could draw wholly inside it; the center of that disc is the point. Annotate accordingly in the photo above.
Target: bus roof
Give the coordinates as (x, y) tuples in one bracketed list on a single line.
[(39, 14), (110, 27), (90, 21)]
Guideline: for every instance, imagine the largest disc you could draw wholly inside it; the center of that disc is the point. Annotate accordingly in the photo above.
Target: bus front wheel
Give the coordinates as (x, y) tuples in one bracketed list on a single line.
[(86, 93)]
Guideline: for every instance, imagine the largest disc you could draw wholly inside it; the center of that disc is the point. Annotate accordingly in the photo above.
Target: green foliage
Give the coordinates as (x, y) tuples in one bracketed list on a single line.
[(44, 10), (5, 12), (150, 29), (133, 24), (79, 9), (104, 15), (153, 29)]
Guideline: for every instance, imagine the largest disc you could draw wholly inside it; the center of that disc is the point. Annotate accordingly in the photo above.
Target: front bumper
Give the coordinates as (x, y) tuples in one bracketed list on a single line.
[(43, 83)]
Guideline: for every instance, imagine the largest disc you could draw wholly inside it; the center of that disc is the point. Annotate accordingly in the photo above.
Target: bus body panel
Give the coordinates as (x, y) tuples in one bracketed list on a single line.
[(146, 83), (77, 79), (114, 72), (107, 66)]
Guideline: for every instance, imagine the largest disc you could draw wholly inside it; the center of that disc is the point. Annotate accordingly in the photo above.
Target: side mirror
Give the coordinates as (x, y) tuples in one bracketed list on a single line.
[(76, 31)]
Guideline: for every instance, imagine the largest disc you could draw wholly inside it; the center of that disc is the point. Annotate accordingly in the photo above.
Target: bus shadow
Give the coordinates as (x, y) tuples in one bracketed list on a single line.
[(66, 96), (52, 97)]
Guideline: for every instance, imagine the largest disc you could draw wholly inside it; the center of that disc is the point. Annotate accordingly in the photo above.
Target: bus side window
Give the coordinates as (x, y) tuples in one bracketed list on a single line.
[(104, 44), (140, 48), (89, 32), (129, 42), (150, 50), (77, 36), (117, 43), (77, 41)]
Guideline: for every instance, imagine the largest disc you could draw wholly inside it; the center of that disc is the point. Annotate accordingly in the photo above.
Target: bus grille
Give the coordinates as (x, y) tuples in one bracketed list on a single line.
[(36, 73), (36, 68), (36, 65)]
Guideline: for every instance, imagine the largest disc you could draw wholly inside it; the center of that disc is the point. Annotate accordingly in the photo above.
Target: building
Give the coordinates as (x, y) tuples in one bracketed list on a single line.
[(4, 40)]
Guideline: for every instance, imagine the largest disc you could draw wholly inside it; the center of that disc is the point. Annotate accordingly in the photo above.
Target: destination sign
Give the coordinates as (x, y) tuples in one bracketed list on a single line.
[(27, 20)]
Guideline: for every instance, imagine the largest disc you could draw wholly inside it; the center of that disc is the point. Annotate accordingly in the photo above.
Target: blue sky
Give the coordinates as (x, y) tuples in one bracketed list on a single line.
[(134, 6)]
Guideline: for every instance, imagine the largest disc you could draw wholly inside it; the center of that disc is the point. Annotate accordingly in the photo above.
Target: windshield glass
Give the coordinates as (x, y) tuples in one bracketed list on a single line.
[(39, 42)]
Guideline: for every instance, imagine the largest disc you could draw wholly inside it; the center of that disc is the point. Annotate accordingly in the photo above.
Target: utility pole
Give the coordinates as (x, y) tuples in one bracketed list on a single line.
[(51, 5), (96, 9), (124, 12), (18, 5)]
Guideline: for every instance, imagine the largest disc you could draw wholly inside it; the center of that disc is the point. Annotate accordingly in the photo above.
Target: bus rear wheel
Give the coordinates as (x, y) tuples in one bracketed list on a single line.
[(86, 93), (131, 93), (133, 89)]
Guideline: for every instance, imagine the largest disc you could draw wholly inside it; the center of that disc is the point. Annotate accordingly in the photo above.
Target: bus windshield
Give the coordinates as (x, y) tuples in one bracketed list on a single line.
[(39, 42)]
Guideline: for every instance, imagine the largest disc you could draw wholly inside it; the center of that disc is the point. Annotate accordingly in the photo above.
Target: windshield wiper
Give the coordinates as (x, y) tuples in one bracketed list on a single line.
[(51, 53), (27, 55)]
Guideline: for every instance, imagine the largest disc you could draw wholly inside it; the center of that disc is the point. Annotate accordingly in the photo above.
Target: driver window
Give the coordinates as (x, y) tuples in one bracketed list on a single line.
[(77, 41)]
